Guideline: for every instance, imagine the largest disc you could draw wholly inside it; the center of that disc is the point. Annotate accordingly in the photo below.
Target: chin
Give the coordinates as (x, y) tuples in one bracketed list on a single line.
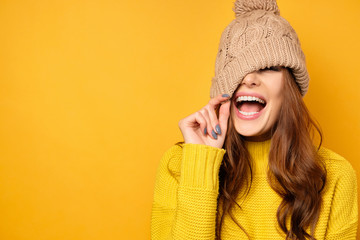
[(253, 130), (254, 134), (248, 132)]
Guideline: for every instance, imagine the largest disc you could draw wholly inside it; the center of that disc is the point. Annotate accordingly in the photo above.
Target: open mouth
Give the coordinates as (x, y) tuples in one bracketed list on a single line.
[(249, 105)]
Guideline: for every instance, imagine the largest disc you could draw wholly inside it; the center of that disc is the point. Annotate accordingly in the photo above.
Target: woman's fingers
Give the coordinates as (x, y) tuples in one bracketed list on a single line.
[(224, 113), (209, 125), (190, 126), (201, 120), (212, 120), (213, 127), (195, 120), (214, 102), (197, 127)]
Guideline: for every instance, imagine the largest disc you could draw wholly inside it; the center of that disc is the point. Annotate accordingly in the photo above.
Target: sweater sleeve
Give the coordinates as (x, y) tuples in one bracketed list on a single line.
[(185, 195), (343, 219)]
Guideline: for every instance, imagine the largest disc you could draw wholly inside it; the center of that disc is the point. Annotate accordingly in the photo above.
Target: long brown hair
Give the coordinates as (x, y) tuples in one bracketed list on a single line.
[(296, 172)]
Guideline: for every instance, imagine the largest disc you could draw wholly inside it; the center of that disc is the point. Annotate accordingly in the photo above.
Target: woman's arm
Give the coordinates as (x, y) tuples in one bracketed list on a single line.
[(343, 220), (186, 190), (187, 182)]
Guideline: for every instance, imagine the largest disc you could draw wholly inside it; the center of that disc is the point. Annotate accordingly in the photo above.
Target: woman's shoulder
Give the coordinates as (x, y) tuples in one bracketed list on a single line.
[(171, 159), (336, 164), (329, 155), (174, 152), (195, 153)]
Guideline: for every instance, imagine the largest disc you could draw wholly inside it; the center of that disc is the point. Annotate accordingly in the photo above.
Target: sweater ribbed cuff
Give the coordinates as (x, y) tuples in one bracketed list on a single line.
[(200, 166)]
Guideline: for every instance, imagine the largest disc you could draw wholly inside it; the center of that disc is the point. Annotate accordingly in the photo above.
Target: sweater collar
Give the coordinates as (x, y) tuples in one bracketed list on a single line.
[(259, 152)]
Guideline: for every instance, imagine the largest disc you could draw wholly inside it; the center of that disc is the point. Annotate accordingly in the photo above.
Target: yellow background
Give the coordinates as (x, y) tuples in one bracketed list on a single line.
[(91, 92)]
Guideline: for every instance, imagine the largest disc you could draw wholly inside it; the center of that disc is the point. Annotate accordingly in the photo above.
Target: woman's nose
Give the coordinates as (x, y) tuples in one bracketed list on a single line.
[(251, 80)]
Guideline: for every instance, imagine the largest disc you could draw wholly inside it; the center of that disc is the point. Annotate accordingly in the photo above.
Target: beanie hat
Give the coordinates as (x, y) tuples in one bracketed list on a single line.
[(257, 38)]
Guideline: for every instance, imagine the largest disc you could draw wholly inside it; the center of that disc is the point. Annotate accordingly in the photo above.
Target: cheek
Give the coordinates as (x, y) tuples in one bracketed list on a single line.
[(232, 113), (276, 109), (233, 117), (277, 98)]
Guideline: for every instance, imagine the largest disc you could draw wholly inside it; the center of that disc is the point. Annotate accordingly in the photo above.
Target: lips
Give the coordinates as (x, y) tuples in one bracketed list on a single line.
[(249, 106)]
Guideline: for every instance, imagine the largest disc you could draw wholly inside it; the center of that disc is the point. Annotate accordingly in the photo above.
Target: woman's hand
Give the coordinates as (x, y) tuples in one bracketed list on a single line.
[(203, 127)]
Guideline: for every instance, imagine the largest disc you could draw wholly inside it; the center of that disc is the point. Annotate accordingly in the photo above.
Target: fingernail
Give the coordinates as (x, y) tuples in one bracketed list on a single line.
[(214, 134), (225, 95), (218, 129), (205, 131)]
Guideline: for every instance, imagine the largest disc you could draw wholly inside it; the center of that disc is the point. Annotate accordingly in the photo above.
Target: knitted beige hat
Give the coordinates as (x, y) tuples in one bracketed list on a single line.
[(258, 38)]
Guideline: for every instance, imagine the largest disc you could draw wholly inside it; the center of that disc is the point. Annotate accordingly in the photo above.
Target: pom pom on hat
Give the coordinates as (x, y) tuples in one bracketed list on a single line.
[(244, 6)]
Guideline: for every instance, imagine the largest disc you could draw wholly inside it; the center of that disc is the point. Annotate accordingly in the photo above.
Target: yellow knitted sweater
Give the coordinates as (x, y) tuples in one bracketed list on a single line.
[(186, 190)]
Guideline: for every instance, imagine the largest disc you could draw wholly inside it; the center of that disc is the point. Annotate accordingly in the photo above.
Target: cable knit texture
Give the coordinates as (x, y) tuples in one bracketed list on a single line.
[(258, 38), (186, 190)]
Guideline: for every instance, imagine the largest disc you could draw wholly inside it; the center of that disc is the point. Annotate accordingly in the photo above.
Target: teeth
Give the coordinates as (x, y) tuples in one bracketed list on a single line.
[(247, 113), (249, 98)]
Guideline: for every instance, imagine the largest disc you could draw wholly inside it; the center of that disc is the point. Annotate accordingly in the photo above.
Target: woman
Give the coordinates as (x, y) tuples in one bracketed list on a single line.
[(247, 168)]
